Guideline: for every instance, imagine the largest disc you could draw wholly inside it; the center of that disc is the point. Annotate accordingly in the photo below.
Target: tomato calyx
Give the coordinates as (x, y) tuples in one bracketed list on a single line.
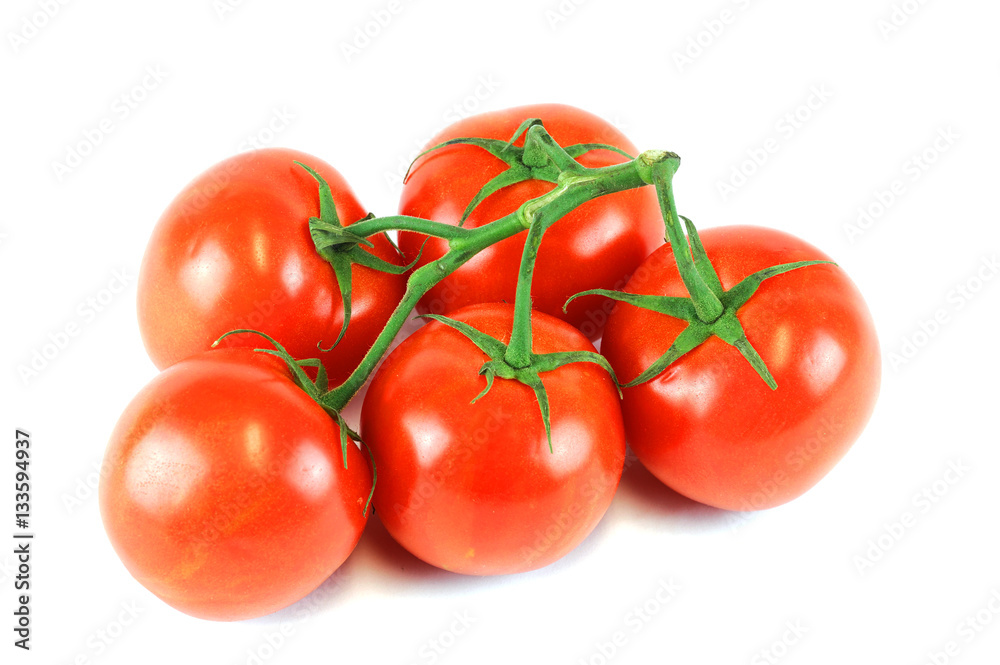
[(316, 389), (342, 249), (710, 310), (498, 367), (541, 158)]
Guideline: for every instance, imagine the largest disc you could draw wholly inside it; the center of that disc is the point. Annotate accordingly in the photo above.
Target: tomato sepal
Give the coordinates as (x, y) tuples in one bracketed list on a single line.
[(541, 158), (342, 249), (498, 368), (709, 309), (315, 389)]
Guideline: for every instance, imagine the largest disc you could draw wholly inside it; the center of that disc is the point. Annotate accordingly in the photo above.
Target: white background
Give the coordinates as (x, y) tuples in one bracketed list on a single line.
[(740, 580)]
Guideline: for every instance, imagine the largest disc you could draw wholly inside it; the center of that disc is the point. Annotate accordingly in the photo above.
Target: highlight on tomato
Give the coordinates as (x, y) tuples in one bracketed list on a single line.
[(598, 245), (473, 484), (235, 249), (708, 424), (227, 491)]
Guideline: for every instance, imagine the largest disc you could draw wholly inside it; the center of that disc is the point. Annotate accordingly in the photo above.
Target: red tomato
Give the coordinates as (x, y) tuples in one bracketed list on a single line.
[(708, 426), (598, 245), (233, 250), (473, 488), (224, 488)]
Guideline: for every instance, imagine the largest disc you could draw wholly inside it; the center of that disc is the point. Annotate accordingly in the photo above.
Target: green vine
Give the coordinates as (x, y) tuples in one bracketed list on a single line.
[(709, 309)]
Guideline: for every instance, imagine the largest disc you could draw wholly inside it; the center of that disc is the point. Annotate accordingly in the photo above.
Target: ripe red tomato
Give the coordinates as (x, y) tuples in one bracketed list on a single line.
[(473, 488), (598, 245), (224, 488), (233, 250), (708, 426)]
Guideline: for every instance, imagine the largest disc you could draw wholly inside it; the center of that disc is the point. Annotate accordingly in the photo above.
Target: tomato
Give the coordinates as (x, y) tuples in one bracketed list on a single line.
[(598, 245), (233, 250), (224, 490), (474, 488), (708, 426)]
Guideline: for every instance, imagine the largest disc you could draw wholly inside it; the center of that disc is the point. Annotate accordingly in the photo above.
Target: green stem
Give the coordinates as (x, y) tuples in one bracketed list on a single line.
[(540, 148), (464, 243), (543, 149), (369, 227), (419, 283), (518, 353), (706, 303)]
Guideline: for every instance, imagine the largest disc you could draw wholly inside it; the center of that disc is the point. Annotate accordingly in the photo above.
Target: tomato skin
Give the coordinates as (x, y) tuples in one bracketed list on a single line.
[(233, 250), (598, 245), (473, 488), (224, 491), (708, 426)]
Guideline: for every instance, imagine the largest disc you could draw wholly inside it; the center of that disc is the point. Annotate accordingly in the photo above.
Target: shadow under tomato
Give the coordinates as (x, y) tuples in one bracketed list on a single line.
[(399, 569), (642, 496), (390, 557), (334, 589)]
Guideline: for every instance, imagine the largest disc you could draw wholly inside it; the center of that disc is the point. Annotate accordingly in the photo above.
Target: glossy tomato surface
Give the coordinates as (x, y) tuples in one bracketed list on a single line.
[(224, 490), (598, 245), (233, 250), (473, 488), (708, 426)]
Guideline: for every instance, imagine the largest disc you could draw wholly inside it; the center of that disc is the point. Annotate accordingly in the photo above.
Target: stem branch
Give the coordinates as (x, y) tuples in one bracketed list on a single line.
[(706, 304), (577, 185)]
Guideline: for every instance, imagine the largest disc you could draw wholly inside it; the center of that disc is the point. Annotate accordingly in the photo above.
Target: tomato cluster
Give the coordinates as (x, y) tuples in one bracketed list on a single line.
[(234, 487)]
